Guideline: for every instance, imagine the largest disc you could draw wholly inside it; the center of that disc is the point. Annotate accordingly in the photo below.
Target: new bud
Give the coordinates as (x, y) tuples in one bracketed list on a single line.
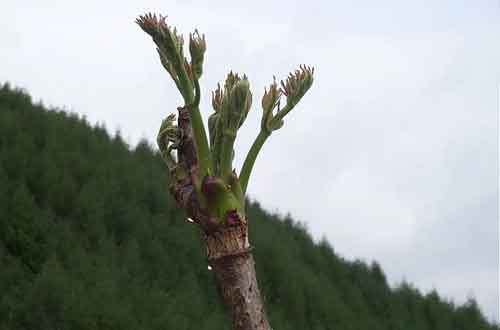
[(197, 48), (231, 80), (297, 84), (170, 48), (271, 98), (294, 88), (240, 102), (168, 40), (212, 127), (233, 103), (217, 98), (270, 101), (212, 186)]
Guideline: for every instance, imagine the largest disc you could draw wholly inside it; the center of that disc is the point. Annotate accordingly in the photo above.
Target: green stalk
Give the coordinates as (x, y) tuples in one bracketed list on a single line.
[(199, 135), (184, 80), (215, 159), (193, 100), (282, 113), (246, 170), (227, 154)]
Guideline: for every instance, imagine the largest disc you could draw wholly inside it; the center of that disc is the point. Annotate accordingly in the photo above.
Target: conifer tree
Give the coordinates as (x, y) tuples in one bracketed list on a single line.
[(204, 182)]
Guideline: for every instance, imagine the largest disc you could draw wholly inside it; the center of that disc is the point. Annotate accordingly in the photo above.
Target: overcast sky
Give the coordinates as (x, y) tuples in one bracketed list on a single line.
[(392, 155)]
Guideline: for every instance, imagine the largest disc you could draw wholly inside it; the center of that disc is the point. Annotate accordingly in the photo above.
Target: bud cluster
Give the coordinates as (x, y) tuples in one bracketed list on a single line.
[(294, 88), (297, 84), (169, 43), (270, 101), (203, 172), (197, 48), (231, 106), (170, 48), (235, 101)]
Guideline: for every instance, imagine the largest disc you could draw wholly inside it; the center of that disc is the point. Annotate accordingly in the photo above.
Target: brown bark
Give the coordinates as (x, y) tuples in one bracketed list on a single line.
[(228, 249), (229, 255)]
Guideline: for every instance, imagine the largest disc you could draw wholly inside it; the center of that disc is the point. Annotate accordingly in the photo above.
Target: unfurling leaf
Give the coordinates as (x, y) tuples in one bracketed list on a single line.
[(168, 139), (168, 133)]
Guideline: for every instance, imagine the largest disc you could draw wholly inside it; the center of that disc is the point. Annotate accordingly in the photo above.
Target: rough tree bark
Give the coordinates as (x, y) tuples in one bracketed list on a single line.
[(228, 249), (230, 256)]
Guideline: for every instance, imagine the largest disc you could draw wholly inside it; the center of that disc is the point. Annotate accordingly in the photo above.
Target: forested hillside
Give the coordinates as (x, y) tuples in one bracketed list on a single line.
[(90, 239)]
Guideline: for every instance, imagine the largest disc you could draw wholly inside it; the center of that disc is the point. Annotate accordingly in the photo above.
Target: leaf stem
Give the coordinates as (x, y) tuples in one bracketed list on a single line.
[(199, 135), (226, 159), (282, 113), (246, 170)]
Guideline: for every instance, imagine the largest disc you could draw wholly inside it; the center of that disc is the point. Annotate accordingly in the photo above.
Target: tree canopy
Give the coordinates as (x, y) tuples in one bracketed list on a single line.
[(89, 239)]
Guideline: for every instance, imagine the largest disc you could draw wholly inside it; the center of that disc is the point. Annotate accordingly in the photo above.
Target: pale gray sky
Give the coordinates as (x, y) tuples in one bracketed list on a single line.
[(392, 156)]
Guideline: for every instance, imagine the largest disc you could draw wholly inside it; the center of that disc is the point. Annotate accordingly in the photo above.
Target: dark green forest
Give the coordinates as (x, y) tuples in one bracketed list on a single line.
[(90, 239)]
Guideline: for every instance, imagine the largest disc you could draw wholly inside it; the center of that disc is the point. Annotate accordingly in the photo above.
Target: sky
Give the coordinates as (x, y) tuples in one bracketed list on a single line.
[(391, 156)]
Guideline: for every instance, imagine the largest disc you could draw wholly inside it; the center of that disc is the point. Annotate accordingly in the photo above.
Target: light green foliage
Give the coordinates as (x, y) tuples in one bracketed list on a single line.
[(170, 49), (231, 105)]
